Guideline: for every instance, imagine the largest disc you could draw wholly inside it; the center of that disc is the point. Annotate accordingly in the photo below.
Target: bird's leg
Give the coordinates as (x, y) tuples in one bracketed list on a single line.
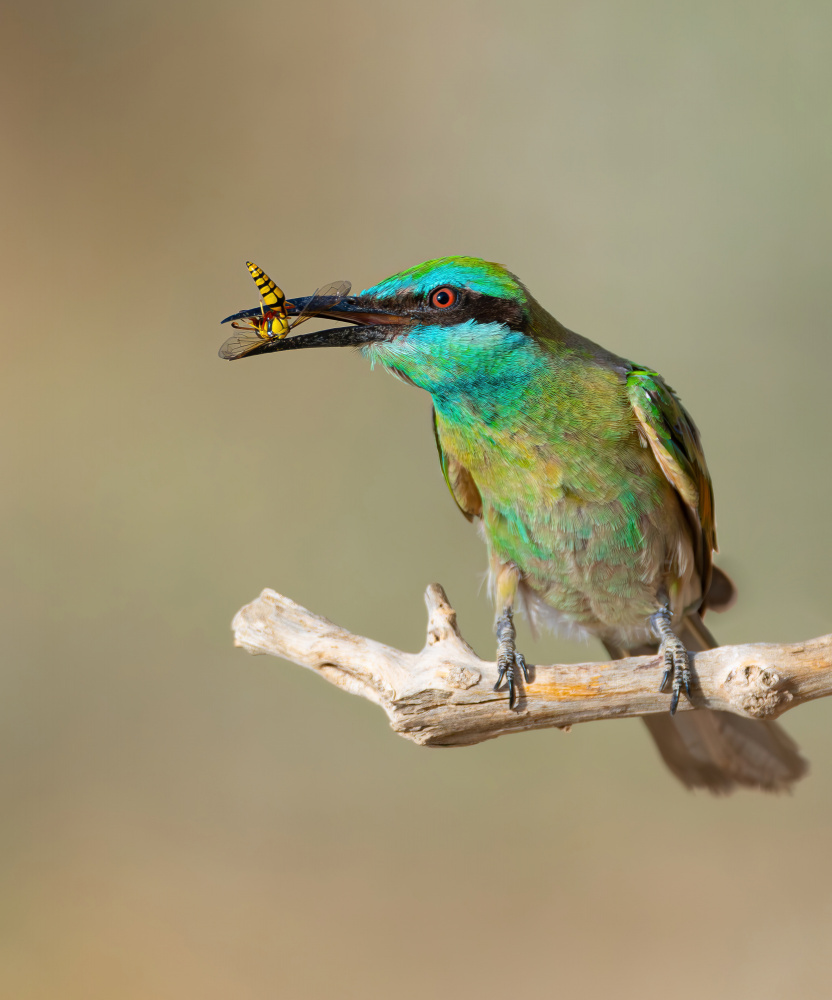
[(509, 661), (676, 658)]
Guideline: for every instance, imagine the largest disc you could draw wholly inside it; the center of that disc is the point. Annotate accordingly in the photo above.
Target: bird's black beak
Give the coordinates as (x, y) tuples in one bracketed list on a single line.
[(370, 321)]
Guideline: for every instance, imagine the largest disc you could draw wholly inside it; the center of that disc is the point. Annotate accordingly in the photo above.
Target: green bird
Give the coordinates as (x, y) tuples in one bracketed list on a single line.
[(589, 480)]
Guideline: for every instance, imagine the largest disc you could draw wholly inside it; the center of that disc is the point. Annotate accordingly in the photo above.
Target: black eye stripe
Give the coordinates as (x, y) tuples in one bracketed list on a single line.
[(470, 305)]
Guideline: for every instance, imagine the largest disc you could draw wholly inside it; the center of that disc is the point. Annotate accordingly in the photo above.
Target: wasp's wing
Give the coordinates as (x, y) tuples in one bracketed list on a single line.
[(240, 343), (322, 299)]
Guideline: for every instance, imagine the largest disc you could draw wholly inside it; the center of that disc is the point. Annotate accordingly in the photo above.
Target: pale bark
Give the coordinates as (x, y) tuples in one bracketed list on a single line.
[(443, 695)]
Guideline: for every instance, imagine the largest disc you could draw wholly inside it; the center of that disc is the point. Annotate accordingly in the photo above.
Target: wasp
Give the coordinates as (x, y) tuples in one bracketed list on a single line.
[(271, 320)]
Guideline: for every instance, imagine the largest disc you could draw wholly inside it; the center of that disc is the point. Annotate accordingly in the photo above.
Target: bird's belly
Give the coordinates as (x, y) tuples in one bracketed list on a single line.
[(602, 568)]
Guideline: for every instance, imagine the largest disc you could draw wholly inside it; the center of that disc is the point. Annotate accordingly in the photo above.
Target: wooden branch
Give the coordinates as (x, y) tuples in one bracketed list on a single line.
[(443, 696)]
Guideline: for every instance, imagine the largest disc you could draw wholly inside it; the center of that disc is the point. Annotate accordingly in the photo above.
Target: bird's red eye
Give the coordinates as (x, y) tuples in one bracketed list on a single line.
[(443, 297)]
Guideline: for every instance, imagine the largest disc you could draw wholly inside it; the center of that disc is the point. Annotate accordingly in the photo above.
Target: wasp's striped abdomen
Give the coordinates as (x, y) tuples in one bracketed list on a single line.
[(272, 295)]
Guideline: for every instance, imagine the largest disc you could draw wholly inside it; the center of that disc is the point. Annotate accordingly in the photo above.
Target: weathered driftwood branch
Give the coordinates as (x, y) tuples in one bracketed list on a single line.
[(443, 695)]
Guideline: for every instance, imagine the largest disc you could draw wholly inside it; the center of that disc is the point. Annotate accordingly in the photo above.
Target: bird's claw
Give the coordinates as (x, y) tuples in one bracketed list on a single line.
[(677, 666), (676, 658), (509, 661), (507, 668)]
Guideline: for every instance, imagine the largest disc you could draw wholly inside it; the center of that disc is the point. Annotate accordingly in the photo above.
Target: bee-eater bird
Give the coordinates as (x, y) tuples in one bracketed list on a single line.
[(588, 477)]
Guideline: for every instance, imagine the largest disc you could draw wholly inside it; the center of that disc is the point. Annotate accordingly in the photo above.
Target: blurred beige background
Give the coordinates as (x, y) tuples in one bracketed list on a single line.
[(181, 820)]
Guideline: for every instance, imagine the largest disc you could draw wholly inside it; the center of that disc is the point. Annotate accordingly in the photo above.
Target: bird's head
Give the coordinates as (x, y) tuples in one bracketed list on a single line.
[(440, 323)]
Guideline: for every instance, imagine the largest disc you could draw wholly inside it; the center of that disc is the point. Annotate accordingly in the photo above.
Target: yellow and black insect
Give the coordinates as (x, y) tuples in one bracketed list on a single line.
[(271, 321)]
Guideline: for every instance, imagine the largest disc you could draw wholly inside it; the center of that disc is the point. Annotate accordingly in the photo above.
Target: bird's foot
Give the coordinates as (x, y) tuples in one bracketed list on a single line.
[(509, 667), (676, 657), (510, 663)]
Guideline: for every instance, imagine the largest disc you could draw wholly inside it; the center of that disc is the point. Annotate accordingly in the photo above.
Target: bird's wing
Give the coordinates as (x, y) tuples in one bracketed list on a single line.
[(459, 479), (674, 440)]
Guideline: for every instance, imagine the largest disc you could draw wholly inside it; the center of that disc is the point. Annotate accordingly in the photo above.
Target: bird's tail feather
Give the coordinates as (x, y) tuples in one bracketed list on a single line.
[(721, 751)]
